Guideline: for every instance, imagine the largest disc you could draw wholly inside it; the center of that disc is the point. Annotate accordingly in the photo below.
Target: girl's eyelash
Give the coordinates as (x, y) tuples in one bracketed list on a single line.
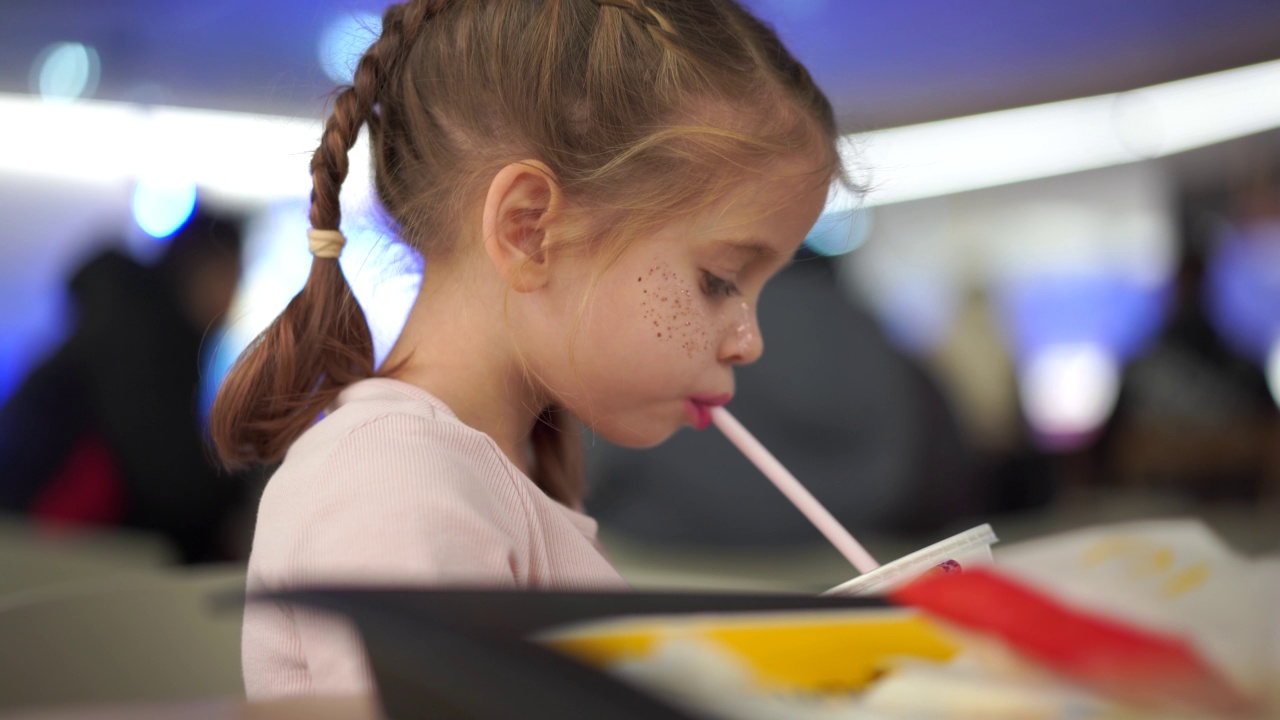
[(718, 286)]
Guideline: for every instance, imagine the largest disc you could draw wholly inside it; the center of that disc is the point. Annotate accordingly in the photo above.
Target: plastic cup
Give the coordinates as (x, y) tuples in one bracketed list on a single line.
[(966, 549)]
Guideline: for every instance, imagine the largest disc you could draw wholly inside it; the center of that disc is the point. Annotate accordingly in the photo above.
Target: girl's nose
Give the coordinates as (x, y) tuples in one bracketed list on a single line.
[(742, 343)]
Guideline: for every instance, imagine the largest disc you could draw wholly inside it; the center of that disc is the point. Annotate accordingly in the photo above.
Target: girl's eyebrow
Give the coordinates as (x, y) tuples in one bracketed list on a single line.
[(755, 247)]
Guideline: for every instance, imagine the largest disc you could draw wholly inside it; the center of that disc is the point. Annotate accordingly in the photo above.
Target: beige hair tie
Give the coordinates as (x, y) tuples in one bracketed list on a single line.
[(326, 243)]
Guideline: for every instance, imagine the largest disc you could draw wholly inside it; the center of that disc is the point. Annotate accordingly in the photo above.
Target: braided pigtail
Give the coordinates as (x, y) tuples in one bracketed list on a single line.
[(321, 342)]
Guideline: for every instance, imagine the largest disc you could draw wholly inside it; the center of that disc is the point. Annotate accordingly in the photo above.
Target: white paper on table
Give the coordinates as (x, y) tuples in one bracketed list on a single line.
[(1172, 576)]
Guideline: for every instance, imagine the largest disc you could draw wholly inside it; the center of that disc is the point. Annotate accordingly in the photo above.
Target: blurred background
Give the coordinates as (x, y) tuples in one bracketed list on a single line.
[(1057, 305)]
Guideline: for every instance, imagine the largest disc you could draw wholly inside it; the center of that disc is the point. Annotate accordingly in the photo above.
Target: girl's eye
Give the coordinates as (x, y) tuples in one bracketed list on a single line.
[(718, 286)]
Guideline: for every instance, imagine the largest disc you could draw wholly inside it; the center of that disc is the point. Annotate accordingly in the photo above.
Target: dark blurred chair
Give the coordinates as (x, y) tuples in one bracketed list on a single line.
[(107, 431), (1194, 415)]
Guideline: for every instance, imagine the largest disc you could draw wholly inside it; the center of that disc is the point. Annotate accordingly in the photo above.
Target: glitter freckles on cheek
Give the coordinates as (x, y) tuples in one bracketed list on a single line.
[(671, 311)]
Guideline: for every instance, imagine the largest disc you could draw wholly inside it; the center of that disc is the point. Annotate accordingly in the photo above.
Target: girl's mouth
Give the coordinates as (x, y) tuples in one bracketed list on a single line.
[(699, 408)]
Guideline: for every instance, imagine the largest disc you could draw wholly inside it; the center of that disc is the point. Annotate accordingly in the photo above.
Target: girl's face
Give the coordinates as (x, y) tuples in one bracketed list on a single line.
[(664, 327)]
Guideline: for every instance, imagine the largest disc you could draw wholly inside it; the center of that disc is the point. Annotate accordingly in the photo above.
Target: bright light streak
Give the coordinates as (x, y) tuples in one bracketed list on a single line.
[(257, 159), (1008, 146), (234, 158)]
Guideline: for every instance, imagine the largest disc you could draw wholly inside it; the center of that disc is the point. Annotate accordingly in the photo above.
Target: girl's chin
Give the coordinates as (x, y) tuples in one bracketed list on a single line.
[(636, 438)]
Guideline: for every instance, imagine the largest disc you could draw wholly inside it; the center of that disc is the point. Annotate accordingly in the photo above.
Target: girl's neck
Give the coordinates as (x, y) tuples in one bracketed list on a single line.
[(454, 346)]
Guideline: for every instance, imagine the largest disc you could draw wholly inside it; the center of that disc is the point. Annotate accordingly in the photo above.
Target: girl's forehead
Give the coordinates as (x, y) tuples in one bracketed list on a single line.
[(769, 199), (765, 213), (787, 179)]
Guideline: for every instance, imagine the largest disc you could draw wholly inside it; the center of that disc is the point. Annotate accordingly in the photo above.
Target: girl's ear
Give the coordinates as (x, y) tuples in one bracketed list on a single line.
[(521, 212)]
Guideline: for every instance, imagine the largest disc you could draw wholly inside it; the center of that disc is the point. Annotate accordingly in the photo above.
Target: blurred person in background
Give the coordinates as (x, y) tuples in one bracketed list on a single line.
[(1195, 414), (866, 429), (108, 430)]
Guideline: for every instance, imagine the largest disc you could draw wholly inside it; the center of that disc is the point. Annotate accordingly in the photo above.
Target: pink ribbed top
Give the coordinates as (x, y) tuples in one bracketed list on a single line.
[(390, 488)]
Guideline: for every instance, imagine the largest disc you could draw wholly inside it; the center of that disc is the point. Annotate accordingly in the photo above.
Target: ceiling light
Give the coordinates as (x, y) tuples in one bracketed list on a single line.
[(258, 158), (1008, 146), (65, 71)]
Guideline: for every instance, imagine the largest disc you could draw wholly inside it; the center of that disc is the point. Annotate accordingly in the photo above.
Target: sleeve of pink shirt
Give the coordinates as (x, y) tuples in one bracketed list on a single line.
[(390, 505)]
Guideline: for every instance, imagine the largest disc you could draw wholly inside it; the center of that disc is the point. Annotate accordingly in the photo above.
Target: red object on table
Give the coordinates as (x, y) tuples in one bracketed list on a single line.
[(1126, 662)]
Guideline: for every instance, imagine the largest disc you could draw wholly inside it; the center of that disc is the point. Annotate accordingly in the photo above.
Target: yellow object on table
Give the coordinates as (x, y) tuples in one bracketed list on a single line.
[(804, 651)]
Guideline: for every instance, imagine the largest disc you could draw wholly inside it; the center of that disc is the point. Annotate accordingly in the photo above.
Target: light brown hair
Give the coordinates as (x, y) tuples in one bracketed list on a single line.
[(643, 109)]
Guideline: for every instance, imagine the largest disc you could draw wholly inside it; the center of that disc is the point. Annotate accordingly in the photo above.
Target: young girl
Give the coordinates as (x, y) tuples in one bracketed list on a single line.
[(599, 189)]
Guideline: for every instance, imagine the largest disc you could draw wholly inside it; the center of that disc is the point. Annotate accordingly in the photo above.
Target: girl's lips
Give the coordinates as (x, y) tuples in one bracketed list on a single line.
[(699, 414), (699, 408), (712, 400)]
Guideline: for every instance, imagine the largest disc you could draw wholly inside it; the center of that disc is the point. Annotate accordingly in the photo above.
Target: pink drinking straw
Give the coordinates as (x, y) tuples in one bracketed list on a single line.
[(794, 491)]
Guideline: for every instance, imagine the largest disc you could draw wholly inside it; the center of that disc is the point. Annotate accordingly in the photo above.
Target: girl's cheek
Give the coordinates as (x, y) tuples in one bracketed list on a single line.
[(672, 312)]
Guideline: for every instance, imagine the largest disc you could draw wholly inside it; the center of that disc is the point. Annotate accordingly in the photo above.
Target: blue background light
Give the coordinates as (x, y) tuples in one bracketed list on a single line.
[(840, 232), (161, 208), (11, 369), (343, 41), (65, 71), (1111, 310), (1242, 289)]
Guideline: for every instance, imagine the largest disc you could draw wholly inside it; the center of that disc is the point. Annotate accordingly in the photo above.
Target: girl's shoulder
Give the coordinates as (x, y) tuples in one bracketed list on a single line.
[(390, 484), (386, 432), (378, 397)]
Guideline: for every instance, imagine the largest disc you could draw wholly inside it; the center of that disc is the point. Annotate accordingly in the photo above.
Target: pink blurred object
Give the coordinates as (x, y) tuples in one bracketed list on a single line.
[(795, 492)]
